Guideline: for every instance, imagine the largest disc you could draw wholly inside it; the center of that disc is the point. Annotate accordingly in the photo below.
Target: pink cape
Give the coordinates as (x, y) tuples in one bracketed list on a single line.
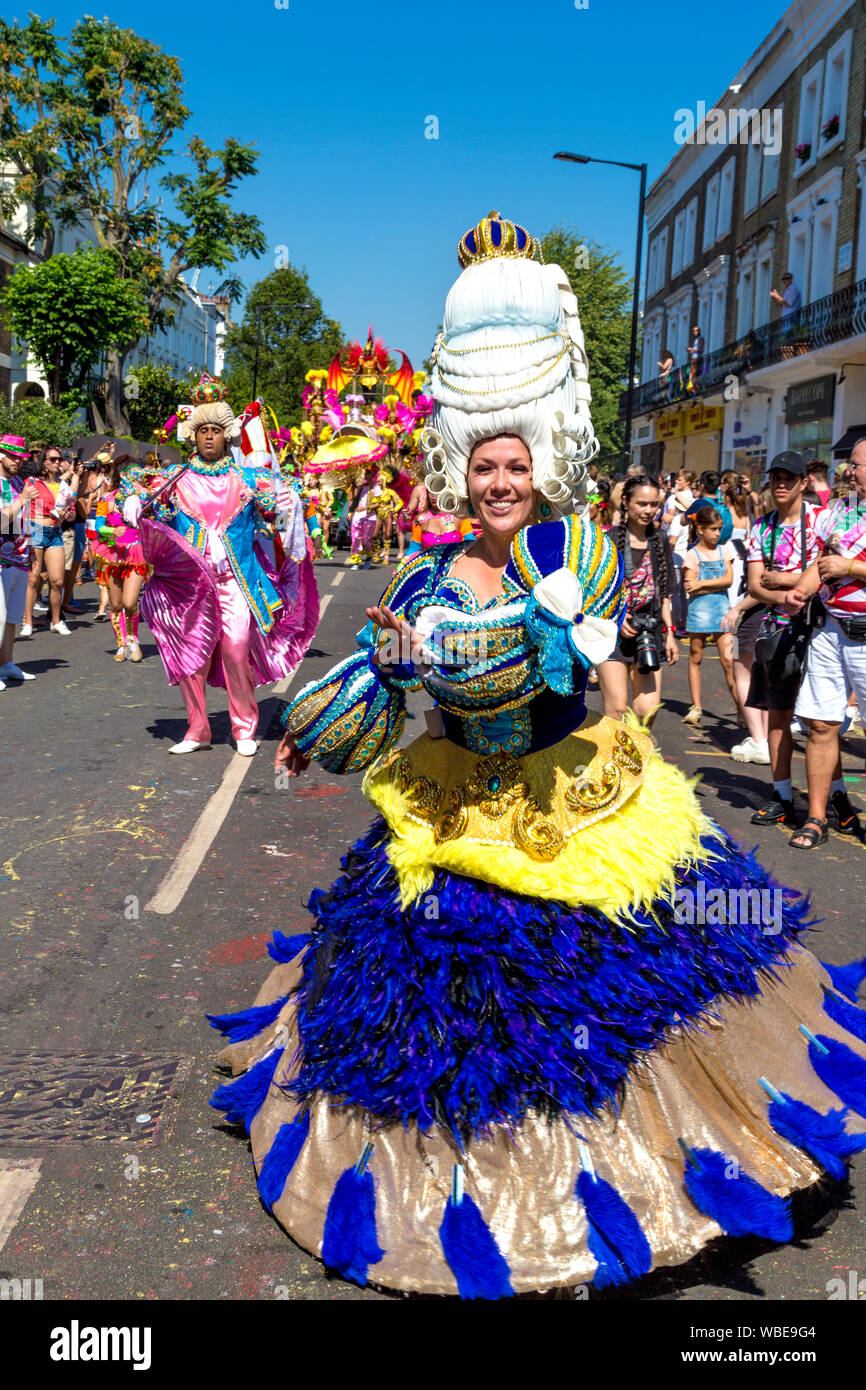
[(180, 605)]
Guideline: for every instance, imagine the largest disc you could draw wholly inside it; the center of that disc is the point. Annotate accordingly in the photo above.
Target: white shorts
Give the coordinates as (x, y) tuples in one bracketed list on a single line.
[(14, 593), (835, 665)]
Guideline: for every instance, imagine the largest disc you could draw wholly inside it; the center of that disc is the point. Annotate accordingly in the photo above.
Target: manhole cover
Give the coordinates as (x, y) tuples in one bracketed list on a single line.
[(87, 1097)]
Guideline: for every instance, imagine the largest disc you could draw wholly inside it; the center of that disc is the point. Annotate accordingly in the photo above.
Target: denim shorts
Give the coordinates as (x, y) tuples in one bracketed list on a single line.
[(44, 537)]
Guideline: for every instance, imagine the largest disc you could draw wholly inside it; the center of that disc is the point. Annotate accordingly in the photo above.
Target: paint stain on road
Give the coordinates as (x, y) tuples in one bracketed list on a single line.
[(243, 948)]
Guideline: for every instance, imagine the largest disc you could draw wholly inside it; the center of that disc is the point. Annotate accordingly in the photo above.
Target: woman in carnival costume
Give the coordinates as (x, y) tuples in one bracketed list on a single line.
[(535, 1036), (119, 563), (220, 613)]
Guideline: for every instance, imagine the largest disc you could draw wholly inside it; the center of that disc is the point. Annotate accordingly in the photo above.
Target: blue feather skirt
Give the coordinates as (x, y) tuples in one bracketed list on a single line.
[(486, 1093)]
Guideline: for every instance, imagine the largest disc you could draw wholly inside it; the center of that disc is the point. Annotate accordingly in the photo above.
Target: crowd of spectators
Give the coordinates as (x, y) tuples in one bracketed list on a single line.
[(46, 498), (774, 577)]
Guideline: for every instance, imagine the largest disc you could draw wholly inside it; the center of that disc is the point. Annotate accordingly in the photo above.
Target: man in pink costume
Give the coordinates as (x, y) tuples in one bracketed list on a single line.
[(220, 612)]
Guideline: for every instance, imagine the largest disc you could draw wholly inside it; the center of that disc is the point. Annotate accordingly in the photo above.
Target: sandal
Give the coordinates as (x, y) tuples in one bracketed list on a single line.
[(812, 832)]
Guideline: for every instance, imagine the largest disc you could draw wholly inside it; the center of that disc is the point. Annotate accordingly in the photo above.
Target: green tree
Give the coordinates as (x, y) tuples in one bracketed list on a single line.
[(290, 339), (604, 297), (153, 393), (39, 422), (30, 61), (109, 113), (67, 311)]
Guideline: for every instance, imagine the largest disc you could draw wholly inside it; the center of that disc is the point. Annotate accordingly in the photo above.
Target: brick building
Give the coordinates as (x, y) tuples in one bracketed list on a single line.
[(771, 179)]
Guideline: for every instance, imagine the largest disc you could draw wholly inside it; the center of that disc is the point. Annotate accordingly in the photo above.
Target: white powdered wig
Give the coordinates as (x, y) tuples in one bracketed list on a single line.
[(511, 360)]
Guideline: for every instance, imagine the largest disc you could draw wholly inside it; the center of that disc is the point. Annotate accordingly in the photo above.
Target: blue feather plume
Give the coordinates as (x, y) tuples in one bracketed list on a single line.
[(247, 1022), (848, 1016), (842, 1070), (615, 1238), (741, 1206), (349, 1242), (283, 948), (243, 1098), (473, 1256), (822, 1136), (281, 1157), (847, 978)]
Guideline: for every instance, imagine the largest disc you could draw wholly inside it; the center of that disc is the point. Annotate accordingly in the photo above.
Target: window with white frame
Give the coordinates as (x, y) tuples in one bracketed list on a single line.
[(711, 210), (677, 247), (726, 198), (763, 282), (651, 263), (745, 295), (835, 102), (810, 112), (753, 177), (689, 235), (823, 252), (771, 159), (662, 266)]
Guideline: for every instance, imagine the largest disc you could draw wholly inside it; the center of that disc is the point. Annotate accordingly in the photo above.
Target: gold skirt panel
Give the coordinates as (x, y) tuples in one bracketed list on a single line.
[(700, 1084), (598, 820)]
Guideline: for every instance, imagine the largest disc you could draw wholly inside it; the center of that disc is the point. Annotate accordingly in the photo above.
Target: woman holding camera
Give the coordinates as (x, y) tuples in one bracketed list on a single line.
[(646, 638)]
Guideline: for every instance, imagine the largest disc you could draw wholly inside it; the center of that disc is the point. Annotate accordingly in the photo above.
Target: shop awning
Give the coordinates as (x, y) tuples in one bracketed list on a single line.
[(843, 447)]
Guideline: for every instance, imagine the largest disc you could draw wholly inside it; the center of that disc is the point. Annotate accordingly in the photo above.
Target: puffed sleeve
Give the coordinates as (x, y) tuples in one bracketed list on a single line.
[(265, 486), (131, 479), (573, 576), (357, 711)]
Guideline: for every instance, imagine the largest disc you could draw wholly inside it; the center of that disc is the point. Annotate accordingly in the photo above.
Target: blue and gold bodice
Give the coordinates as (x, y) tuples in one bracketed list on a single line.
[(508, 676)]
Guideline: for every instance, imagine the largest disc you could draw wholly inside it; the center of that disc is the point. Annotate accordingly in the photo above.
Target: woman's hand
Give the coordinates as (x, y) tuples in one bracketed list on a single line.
[(672, 650), (406, 640), (289, 758), (729, 621), (627, 630)]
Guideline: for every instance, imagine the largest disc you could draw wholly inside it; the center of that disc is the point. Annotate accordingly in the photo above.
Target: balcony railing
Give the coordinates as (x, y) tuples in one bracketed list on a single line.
[(829, 320)]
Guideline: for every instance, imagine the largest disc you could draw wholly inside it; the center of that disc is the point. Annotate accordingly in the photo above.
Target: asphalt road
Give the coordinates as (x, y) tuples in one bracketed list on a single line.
[(117, 1179)]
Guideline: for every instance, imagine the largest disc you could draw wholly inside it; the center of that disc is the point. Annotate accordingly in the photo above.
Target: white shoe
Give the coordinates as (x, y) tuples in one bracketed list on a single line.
[(2, 685), (61, 629), (751, 751), (187, 745), (247, 747), (11, 672), (25, 630), (40, 608)]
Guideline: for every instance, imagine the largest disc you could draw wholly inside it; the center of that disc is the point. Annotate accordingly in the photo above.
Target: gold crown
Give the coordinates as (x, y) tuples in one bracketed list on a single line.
[(495, 236)]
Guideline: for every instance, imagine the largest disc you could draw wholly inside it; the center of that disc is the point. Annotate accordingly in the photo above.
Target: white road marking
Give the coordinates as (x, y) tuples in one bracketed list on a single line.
[(337, 579), (170, 893), (18, 1177)]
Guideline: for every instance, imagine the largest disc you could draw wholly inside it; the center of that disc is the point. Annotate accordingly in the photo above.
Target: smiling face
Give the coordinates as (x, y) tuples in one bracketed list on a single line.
[(210, 442), (499, 482)]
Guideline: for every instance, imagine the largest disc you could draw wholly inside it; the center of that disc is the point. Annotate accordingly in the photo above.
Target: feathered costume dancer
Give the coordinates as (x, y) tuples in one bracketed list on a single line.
[(117, 554), (218, 609), (550, 1025)]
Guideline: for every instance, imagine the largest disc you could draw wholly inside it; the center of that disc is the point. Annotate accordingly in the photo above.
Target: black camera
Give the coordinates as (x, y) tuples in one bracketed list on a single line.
[(646, 654)]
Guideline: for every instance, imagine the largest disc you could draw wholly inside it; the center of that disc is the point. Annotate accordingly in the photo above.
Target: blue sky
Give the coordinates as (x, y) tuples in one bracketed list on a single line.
[(335, 98)]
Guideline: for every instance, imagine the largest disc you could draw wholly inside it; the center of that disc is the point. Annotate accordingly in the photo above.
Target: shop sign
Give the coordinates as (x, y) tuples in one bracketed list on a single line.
[(810, 400)]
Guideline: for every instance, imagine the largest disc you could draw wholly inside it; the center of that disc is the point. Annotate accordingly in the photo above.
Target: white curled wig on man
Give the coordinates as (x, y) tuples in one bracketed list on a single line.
[(209, 407), (510, 360)]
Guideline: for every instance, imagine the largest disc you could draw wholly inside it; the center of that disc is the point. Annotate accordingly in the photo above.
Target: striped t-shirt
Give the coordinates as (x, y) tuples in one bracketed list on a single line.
[(841, 530)]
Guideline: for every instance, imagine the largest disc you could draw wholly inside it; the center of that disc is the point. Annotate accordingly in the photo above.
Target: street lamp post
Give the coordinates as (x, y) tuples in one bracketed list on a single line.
[(259, 310), (632, 351)]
